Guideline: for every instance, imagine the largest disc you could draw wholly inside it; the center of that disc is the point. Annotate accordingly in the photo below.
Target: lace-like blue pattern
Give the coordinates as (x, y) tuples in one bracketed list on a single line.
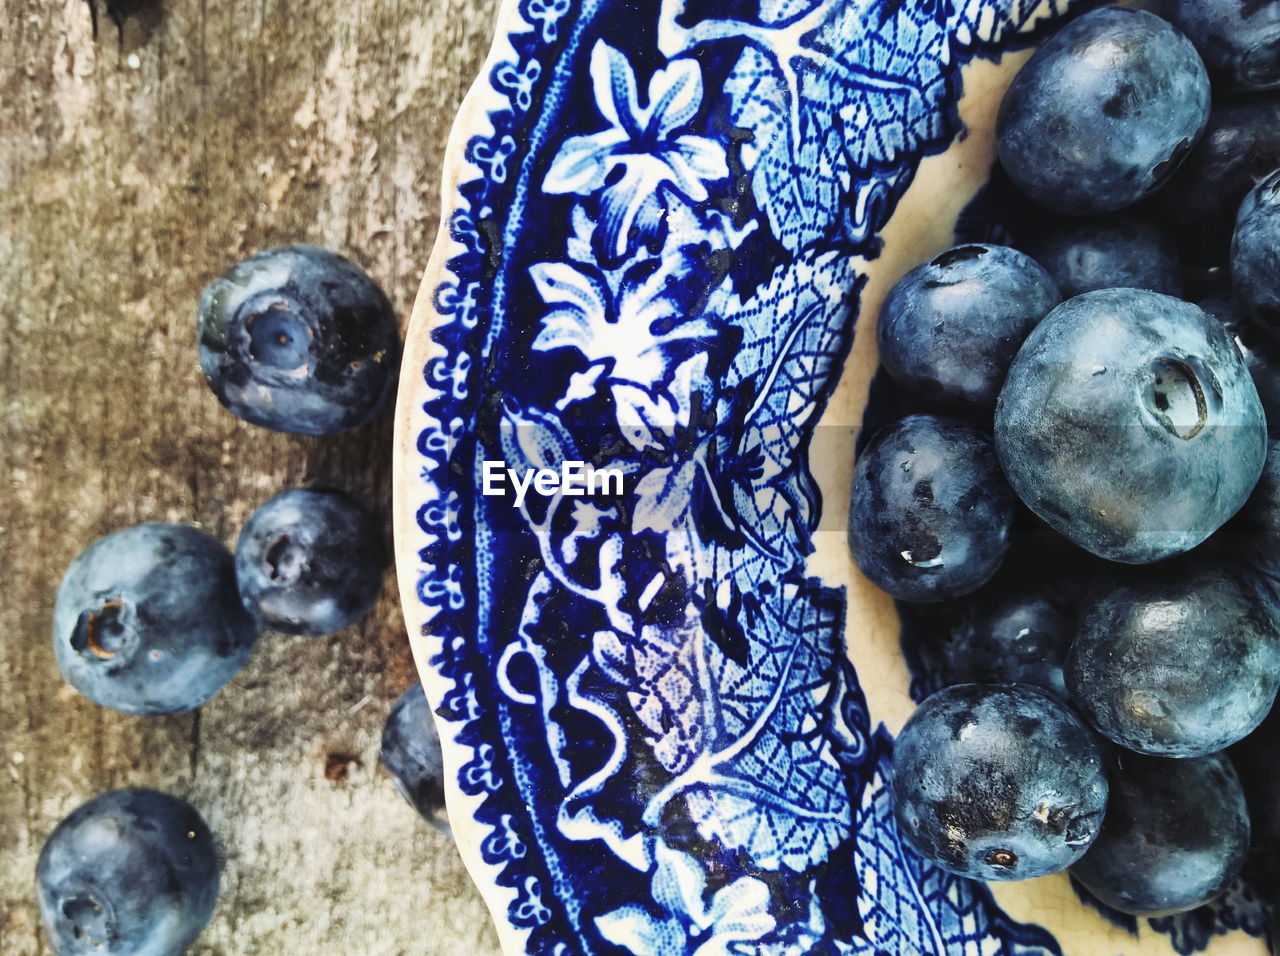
[(670, 751)]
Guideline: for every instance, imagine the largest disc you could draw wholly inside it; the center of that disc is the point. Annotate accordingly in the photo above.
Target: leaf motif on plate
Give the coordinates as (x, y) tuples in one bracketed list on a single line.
[(841, 96), (774, 788), (664, 686), (793, 335), (736, 914)]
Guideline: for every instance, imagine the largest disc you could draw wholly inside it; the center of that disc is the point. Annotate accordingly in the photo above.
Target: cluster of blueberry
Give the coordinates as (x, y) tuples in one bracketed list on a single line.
[(156, 618), (1081, 508)]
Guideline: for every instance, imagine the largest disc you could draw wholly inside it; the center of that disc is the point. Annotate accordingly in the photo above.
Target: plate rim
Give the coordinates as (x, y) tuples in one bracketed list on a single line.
[(412, 392)]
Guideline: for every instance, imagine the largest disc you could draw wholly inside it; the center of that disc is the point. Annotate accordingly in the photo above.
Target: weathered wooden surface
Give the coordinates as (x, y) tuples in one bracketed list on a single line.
[(134, 165)]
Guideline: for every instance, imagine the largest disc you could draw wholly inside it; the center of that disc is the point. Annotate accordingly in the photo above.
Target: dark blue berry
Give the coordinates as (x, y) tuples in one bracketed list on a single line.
[(1261, 352), (147, 620), (1103, 113), (1175, 835), (130, 873), (950, 327), (997, 782), (1176, 661), (1273, 935), (930, 512), (310, 562), (1130, 424), (1240, 146), (411, 754), (1015, 629), (1238, 39), (1114, 253), (1252, 537), (299, 340), (1255, 254), (1255, 761), (1006, 636)]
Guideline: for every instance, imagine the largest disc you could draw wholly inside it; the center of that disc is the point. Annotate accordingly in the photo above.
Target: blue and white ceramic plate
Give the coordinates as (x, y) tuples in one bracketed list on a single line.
[(669, 710)]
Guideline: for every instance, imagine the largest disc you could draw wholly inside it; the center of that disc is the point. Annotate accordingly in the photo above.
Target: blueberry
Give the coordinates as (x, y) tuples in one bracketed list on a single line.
[(147, 620), (1113, 253), (310, 562), (1273, 935), (1130, 424), (1175, 835), (930, 512), (950, 327), (1252, 537), (130, 873), (1261, 353), (1012, 636), (1017, 627), (1240, 146), (299, 340), (1103, 113), (1238, 39), (1255, 761), (997, 782), (1178, 661), (411, 754), (1255, 254)]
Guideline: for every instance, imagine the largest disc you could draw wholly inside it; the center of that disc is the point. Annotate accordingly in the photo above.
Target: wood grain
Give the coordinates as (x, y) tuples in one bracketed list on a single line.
[(144, 147)]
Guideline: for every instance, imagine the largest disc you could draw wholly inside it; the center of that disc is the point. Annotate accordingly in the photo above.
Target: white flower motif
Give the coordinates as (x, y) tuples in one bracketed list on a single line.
[(641, 142), (737, 913), (632, 330)]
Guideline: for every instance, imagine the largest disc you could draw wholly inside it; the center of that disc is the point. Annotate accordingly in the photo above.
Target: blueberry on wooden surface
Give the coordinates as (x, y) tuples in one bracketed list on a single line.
[(1130, 424), (1103, 112), (147, 620), (298, 339), (411, 754), (997, 782), (930, 512), (310, 562), (1175, 835), (129, 873)]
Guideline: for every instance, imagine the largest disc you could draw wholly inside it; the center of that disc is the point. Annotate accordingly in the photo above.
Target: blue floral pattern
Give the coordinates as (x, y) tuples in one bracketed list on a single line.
[(656, 272), (735, 914), (641, 154)]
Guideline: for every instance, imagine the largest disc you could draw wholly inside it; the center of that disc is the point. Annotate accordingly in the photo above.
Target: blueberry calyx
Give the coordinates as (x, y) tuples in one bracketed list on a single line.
[(1005, 859), (285, 560), (1261, 66), (1175, 398), (958, 254), (278, 338), (91, 918), (1082, 828), (102, 634)]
